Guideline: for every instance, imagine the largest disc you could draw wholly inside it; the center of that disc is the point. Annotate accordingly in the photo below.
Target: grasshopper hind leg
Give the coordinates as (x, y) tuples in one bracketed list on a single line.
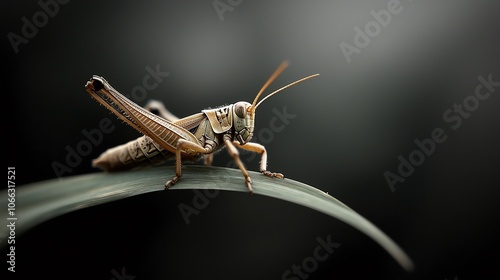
[(157, 108)]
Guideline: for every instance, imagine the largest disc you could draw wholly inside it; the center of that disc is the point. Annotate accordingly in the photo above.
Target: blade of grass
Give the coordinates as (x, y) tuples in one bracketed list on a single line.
[(41, 201)]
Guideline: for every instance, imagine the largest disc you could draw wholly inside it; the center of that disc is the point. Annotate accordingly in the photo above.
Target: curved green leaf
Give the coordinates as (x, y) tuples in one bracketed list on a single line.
[(39, 202)]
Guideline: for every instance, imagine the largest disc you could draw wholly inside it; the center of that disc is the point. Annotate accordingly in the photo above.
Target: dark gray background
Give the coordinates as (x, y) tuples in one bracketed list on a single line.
[(351, 125)]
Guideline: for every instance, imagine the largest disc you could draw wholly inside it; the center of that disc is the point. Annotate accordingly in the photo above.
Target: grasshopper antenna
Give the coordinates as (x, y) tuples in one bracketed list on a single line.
[(276, 73), (273, 77), (287, 86)]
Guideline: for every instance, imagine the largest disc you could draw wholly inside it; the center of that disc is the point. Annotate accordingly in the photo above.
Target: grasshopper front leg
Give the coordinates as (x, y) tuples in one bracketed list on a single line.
[(233, 152), (257, 148)]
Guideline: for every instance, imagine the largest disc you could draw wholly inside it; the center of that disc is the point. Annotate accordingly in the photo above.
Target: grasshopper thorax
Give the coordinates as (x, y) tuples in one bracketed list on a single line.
[(236, 118), (243, 121)]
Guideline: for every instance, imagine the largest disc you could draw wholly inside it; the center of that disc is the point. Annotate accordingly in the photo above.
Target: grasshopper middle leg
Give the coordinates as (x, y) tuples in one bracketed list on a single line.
[(185, 145)]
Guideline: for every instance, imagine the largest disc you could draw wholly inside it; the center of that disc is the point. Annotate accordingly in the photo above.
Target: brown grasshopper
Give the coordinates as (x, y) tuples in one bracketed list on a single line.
[(188, 138)]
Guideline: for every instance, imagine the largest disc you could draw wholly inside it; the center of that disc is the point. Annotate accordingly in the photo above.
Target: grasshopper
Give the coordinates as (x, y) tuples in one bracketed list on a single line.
[(189, 138)]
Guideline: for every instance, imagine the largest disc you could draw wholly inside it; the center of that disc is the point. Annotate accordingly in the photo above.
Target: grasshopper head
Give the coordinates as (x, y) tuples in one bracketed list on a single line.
[(243, 121), (244, 112)]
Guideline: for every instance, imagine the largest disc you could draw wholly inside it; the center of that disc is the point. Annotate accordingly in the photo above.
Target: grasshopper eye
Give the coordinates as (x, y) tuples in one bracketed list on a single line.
[(239, 110)]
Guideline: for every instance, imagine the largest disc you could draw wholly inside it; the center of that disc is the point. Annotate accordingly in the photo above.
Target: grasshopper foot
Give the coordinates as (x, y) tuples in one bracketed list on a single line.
[(171, 182), (272, 175), (248, 181)]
